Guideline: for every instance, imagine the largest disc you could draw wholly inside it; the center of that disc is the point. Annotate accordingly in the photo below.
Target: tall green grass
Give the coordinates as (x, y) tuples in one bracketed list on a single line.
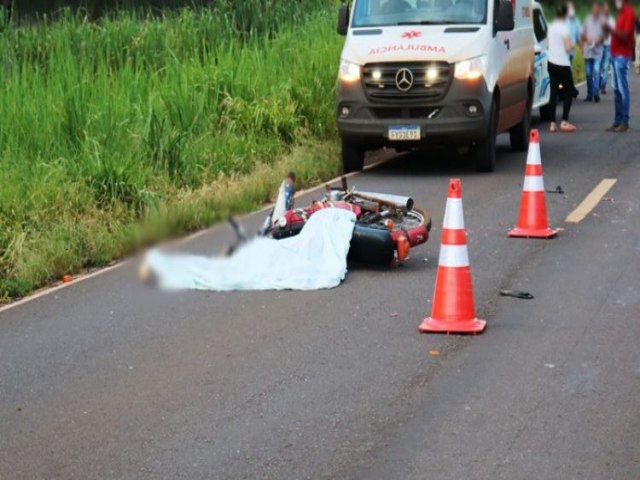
[(107, 128)]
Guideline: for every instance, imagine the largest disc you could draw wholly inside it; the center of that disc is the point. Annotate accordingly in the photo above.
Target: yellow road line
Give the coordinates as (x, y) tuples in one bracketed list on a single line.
[(591, 200)]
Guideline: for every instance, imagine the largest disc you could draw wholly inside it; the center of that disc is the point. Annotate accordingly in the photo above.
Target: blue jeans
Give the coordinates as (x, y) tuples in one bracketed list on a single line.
[(604, 66), (592, 71), (621, 89)]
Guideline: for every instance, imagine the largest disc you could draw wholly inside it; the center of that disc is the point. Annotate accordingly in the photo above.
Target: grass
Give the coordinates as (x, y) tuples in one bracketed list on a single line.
[(120, 134)]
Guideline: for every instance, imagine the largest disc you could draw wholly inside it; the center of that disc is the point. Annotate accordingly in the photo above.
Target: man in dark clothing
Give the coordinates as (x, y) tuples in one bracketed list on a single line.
[(622, 51)]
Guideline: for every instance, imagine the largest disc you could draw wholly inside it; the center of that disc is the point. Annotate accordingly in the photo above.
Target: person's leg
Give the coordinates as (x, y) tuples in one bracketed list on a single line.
[(623, 85), (606, 63), (567, 81), (596, 79), (554, 82), (616, 91), (588, 71)]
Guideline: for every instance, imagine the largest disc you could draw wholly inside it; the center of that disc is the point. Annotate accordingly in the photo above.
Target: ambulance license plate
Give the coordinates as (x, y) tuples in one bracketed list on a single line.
[(404, 132)]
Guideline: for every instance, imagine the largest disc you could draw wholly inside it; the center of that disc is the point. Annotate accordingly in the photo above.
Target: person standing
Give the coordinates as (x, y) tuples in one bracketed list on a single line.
[(575, 28), (622, 51), (592, 39), (560, 47), (607, 19)]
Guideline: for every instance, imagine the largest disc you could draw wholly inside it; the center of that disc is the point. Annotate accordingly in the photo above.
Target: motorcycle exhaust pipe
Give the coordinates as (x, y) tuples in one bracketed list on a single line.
[(397, 201)]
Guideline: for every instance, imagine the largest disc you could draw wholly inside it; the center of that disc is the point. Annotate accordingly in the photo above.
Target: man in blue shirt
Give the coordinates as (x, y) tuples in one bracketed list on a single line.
[(575, 28)]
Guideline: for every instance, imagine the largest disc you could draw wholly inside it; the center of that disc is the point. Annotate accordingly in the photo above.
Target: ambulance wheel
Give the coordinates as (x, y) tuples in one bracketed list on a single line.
[(352, 157), (519, 135), (484, 151)]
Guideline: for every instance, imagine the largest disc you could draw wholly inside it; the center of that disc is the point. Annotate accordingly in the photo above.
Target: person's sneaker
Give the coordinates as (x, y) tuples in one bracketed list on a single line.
[(553, 128), (567, 127), (588, 99), (622, 128), (612, 128), (603, 91), (596, 98)]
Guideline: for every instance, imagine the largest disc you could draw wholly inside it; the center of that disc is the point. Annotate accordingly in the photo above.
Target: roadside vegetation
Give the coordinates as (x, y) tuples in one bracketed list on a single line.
[(118, 134)]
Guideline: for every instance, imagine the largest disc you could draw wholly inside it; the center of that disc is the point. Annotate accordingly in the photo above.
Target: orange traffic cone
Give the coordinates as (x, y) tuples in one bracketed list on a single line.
[(453, 310), (533, 221)]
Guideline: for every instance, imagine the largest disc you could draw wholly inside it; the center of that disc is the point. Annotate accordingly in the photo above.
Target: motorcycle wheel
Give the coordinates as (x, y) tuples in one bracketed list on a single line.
[(405, 221)]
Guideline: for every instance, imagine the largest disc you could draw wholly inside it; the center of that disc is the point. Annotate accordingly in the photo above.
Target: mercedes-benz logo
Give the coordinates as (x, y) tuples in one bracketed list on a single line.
[(404, 79)]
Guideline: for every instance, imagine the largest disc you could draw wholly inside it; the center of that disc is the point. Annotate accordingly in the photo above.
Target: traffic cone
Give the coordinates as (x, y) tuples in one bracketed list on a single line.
[(453, 310), (533, 221)]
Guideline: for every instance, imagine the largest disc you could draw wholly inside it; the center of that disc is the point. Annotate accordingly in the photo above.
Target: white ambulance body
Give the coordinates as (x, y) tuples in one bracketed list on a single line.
[(449, 72)]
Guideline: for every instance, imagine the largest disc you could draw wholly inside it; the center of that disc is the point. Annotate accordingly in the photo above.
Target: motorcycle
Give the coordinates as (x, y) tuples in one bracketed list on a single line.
[(387, 226)]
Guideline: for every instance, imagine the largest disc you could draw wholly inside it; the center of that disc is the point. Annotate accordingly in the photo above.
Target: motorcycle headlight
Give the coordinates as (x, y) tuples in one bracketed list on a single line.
[(349, 72), (471, 69)]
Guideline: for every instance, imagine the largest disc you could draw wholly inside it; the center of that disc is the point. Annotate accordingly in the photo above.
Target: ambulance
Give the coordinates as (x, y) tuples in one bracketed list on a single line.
[(437, 72)]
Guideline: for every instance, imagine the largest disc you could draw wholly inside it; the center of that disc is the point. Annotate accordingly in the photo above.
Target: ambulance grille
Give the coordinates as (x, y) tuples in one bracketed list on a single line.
[(388, 81)]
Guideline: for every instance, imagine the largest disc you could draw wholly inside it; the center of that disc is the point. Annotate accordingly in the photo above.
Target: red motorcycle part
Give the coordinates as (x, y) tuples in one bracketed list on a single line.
[(403, 247)]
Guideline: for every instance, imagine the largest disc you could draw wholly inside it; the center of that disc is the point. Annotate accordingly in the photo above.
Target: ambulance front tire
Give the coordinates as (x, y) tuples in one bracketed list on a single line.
[(519, 135), (484, 151), (352, 157)]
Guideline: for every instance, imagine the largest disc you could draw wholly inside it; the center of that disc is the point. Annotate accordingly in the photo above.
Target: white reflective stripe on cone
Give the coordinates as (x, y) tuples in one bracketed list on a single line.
[(533, 156), (453, 217), (453, 256), (533, 183)]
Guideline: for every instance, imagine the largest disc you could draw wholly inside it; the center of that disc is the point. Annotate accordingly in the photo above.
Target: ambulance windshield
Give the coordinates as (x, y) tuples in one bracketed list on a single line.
[(379, 13)]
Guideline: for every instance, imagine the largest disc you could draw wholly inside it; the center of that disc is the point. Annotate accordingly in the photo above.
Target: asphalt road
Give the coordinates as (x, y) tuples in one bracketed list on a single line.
[(106, 379)]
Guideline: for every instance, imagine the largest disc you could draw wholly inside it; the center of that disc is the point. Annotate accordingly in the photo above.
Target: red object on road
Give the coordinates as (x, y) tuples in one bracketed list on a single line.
[(453, 308), (533, 221), (67, 279)]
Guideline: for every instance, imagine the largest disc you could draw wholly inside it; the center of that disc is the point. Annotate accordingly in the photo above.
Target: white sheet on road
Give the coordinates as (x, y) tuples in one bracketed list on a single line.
[(314, 259)]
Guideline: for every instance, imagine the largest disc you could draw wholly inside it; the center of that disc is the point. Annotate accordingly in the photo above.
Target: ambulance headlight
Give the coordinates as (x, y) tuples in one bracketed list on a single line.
[(348, 72), (432, 74), (471, 69)]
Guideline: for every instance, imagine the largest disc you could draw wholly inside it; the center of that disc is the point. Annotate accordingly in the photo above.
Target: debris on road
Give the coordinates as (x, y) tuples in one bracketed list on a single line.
[(516, 294), (557, 190), (434, 353)]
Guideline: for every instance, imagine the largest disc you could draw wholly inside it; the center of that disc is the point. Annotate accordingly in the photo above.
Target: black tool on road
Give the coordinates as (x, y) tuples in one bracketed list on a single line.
[(516, 294), (558, 190)]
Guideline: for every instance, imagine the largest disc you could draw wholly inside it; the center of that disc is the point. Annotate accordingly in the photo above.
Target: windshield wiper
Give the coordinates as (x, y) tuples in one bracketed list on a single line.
[(429, 22)]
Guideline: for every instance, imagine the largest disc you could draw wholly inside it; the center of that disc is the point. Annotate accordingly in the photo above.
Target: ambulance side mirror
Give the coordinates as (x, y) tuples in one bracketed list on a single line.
[(505, 21), (343, 19)]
